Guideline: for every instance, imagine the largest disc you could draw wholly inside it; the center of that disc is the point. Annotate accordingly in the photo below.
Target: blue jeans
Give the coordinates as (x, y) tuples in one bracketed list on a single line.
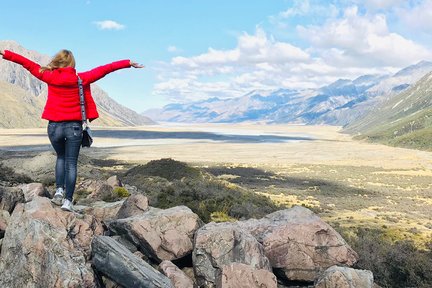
[(66, 139)]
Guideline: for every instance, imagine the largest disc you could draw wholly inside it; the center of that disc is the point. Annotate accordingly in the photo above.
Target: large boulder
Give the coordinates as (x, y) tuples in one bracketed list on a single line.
[(219, 244), (299, 243), (116, 262), (33, 189), (10, 197), (160, 234), (345, 277), (134, 205), (46, 247), (237, 275), (178, 278)]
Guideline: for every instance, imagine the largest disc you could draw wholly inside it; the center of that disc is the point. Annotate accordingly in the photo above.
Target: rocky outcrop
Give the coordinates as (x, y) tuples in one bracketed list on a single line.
[(119, 264), (42, 242), (134, 205), (178, 278), (160, 234), (299, 243), (221, 244), (345, 277), (237, 275)]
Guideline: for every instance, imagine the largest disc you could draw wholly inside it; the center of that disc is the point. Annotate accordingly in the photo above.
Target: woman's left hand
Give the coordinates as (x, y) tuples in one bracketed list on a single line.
[(136, 65)]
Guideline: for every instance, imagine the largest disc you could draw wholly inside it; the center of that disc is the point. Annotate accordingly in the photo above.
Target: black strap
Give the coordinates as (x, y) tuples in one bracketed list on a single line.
[(82, 101)]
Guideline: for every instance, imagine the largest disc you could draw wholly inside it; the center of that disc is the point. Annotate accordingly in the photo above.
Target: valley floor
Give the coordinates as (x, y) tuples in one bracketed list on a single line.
[(349, 183)]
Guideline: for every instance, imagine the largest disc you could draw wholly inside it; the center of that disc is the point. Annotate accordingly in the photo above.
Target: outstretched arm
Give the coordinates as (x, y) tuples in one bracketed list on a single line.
[(1, 52)]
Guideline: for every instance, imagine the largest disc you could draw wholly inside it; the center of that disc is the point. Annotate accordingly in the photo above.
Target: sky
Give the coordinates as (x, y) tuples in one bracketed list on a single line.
[(197, 49)]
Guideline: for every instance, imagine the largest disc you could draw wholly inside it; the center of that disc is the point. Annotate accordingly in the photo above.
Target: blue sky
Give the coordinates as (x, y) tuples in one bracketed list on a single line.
[(195, 49)]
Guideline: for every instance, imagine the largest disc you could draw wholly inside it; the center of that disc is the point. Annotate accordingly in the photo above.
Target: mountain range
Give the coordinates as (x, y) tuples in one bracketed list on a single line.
[(340, 103), (23, 96)]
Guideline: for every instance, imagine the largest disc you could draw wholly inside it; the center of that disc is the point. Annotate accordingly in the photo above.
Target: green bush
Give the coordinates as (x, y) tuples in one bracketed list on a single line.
[(121, 192), (394, 264)]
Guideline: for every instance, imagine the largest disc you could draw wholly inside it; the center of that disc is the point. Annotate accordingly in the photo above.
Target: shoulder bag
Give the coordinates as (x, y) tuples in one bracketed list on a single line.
[(87, 138)]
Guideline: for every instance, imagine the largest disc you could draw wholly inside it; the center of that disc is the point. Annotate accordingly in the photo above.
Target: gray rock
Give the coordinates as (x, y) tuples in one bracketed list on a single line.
[(134, 205), (299, 243), (103, 211), (46, 247), (216, 245), (10, 197), (4, 221), (160, 234), (178, 278), (236, 275), (120, 265), (345, 277)]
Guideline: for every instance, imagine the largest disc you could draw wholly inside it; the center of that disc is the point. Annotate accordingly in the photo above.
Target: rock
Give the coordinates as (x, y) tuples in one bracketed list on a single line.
[(300, 243), (120, 265), (178, 278), (134, 205), (216, 245), (160, 234), (345, 277), (237, 275), (114, 181), (10, 197), (103, 211), (4, 220), (96, 189), (33, 189), (46, 247)]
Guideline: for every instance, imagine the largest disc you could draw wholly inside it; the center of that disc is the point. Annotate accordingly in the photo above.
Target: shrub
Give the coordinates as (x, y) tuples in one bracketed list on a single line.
[(394, 264), (121, 192)]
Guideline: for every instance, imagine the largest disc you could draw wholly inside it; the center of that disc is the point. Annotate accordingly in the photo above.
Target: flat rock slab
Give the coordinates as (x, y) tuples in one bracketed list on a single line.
[(116, 262)]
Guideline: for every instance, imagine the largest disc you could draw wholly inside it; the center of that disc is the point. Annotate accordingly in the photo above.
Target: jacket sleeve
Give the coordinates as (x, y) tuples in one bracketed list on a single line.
[(31, 66), (99, 72)]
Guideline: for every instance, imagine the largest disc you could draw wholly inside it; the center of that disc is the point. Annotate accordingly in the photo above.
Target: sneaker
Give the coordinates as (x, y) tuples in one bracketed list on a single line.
[(67, 205), (58, 196)]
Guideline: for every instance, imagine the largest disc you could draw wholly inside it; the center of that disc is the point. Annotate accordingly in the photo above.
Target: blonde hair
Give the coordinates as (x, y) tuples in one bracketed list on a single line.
[(62, 59)]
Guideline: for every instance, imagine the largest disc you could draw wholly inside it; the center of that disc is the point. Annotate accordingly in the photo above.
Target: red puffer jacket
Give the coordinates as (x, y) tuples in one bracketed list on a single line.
[(63, 103)]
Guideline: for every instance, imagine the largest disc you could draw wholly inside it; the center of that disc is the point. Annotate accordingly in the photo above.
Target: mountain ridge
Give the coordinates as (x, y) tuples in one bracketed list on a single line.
[(338, 103)]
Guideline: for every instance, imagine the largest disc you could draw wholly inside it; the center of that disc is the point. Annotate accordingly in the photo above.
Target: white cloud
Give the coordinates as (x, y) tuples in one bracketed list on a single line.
[(418, 17), (172, 49), (109, 25), (364, 41), (348, 44)]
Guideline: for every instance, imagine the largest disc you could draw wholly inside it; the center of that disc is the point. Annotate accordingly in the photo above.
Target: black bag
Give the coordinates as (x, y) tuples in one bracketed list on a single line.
[(87, 138)]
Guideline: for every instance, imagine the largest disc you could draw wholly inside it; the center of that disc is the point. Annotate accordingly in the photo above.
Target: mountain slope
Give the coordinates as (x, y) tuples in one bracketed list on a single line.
[(19, 109), (111, 112), (403, 120)]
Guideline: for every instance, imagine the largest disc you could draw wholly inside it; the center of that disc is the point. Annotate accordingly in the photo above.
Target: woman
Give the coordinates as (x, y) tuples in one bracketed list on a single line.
[(63, 112)]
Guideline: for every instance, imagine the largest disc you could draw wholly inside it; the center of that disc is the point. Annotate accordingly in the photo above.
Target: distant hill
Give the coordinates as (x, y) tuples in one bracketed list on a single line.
[(339, 103), (404, 120), (26, 96)]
